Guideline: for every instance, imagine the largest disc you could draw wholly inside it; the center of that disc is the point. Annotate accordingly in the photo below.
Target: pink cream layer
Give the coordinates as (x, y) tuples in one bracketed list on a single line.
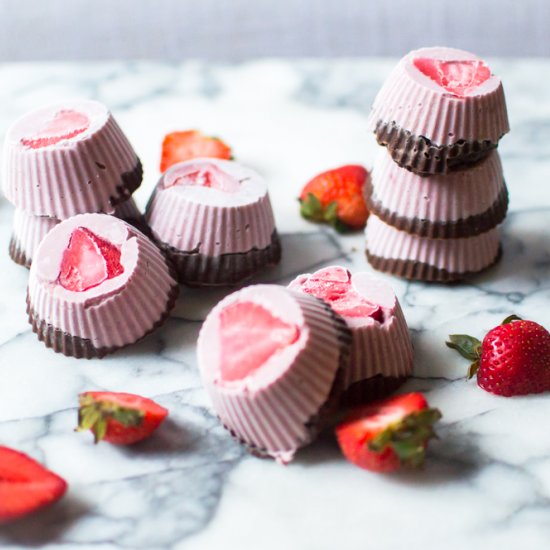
[(212, 207), (420, 103), (437, 198), (464, 255), (381, 342), (270, 407), (62, 168), (119, 310)]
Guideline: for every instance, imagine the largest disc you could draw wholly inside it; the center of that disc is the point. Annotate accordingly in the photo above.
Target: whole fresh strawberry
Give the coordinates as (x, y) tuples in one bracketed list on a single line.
[(191, 144), (388, 434), (513, 359), (337, 197), (25, 485), (119, 418)]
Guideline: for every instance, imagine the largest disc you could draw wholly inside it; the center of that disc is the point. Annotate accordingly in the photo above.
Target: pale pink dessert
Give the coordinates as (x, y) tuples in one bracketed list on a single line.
[(462, 203), (422, 258), (213, 219), (67, 159), (97, 284), (381, 352), (29, 230), (269, 358), (440, 108)]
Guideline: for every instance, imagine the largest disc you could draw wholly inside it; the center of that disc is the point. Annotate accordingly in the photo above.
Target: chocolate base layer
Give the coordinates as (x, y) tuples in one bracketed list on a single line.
[(195, 269), (418, 271), (130, 182), (18, 255), (83, 348), (465, 227), (371, 389), (420, 155), (320, 419)]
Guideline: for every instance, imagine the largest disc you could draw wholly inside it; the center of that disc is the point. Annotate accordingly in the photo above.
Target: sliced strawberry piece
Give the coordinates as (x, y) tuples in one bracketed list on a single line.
[(204, 174), (337, 197), (388, 434), (333, 285), (457, 77), (119, 418), (513, 359), (65, 124), (88, 261), (249, 336), (25, 485), (191, 144)]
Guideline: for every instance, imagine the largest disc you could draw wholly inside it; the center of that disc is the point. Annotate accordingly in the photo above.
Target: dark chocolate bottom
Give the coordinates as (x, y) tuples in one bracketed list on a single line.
[(130, 182), (418, 271), (17, 254), (321, 418), (371, 389), (75, 346), (465, 227), (195, 269), (420, 155)]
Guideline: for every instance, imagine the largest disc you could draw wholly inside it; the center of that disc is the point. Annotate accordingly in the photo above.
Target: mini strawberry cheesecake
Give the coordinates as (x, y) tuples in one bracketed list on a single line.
[(270, 359), (463, 203), (29, 230), (213, 219), (68, 159), (381, 351), (97, 284), (440, 108), (432, 260)]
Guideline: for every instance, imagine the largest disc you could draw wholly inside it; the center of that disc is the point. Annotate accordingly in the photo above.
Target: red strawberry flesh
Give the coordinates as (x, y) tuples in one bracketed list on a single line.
[(65, 124), (457, 77), (203, 174), (88, 261), (249, 336), (333, 285), (25, 485)]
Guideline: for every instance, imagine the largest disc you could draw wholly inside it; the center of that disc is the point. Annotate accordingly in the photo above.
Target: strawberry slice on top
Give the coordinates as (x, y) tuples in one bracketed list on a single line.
[(119, 418), (337, 197), (88, 261), (457, 77), (249, 336), (389, 434), (25, 485), (191, 144)]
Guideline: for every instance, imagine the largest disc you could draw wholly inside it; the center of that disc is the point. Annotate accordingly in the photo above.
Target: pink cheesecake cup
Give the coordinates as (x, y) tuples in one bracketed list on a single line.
[(439, 109), (96, 285), (381, 357), (213, 219), (270, 360), (432, 260), (67, 159), (463, 203)]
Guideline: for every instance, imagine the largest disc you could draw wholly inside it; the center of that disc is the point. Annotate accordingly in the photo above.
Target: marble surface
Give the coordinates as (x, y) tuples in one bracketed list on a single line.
[(487, 479)]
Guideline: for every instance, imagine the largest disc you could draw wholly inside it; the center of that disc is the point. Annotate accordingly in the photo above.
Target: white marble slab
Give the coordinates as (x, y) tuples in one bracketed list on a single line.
[(487, 480)]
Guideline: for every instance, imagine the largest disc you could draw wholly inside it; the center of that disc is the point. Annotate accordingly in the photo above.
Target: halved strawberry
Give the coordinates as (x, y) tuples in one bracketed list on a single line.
[(337, 197), (88, 261), (388, 434), (191, 144), (25, 485), (249, 336), (513, 359), (119, 418)]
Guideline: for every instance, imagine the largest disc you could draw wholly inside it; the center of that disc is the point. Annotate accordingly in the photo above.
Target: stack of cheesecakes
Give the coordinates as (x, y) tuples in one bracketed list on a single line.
[(437, 193), (62, 160)]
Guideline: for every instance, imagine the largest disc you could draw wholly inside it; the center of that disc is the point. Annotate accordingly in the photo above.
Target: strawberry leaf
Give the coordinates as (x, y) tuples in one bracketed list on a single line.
[(472, 371), (311, 208), (468, 346)]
